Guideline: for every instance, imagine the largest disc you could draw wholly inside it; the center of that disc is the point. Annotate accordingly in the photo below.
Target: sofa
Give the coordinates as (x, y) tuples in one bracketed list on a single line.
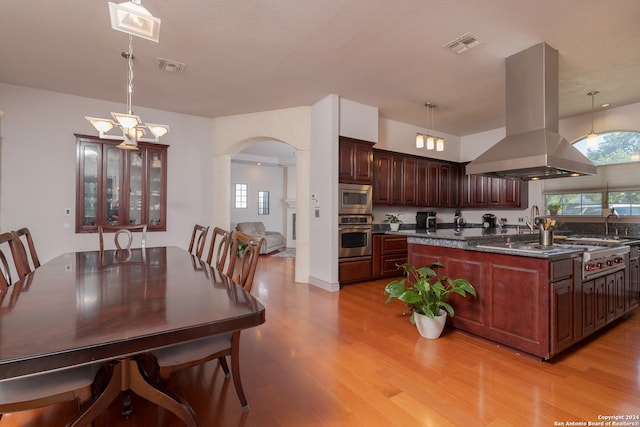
[(273, 240)]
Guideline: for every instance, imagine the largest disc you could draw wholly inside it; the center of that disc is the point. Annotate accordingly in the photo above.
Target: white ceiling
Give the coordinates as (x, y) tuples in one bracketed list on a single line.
[(253, 55)]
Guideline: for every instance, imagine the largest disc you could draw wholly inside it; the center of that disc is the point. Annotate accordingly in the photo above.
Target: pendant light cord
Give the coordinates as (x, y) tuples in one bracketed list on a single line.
[(130, 75)]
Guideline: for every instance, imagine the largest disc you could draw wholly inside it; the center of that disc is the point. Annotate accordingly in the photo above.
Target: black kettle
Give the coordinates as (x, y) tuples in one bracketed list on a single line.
[(488, 221)]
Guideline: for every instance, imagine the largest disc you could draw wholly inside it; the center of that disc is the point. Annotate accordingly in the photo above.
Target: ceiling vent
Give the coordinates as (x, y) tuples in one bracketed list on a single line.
[(169, 65), (462, 43)]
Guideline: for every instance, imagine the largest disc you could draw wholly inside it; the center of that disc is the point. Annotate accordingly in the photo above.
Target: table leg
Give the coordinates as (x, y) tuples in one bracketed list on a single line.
[(127, 375)]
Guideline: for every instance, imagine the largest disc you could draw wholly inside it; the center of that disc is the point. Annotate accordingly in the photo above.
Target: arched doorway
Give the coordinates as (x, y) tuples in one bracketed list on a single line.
[(266, 169)]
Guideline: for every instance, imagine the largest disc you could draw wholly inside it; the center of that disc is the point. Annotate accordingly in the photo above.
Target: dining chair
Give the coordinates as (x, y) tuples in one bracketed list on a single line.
[(244, 255), (123, 230), (192, 353), (28, 266), (219, 248), (10, 274), (198, 239), (82, 384)]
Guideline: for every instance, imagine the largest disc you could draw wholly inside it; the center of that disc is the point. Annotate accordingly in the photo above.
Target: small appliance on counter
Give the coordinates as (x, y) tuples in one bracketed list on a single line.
[(426, 220), (488, 221), (458, 221)]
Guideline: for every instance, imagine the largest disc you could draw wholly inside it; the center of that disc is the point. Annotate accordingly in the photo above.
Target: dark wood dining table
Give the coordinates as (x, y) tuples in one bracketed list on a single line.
[(114, 307)]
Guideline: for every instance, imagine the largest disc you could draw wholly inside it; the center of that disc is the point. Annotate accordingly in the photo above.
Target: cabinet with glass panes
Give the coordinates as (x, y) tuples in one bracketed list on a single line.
[(120, 187)]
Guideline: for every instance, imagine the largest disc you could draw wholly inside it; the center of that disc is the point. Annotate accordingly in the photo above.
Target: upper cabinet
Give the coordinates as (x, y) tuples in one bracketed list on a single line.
[(402, 179), (355, 161), (478, 191)]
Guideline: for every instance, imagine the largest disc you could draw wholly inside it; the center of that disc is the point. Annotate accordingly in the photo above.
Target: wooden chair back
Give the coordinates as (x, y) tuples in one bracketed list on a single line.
[(219, 248), (198, 239), (10, 274), (244, 256), (28, 265), (126, 231)]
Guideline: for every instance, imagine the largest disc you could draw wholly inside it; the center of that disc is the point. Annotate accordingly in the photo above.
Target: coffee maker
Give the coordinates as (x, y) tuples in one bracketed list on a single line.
[(426, 220), (488, 221)]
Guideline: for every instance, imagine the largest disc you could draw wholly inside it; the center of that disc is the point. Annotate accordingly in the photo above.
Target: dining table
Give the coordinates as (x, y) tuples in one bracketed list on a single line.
[(114, 307)]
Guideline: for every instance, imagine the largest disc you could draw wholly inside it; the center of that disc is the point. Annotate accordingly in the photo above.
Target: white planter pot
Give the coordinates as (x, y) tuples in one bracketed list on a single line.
[(430, 328), (394, 226)]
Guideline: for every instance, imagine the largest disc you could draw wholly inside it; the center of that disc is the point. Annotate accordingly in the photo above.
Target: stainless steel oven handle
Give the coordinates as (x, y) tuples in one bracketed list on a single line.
[(355, 227)]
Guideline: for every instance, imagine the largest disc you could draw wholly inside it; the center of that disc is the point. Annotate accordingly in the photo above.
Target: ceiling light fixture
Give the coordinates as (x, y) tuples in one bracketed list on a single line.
[(593, 136), (432, 142), (132, 18), (132, 128)]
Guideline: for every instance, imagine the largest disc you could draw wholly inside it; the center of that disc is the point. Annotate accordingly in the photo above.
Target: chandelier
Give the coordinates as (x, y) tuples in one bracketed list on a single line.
[(432, 142), (133, 19)]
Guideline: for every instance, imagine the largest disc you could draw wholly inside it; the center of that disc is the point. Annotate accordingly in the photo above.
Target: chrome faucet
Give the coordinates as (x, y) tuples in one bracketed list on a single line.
[(606, 221), (535, 211)]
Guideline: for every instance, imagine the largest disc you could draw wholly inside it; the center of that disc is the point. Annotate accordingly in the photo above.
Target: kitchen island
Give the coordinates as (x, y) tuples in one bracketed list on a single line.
[(533, 300)]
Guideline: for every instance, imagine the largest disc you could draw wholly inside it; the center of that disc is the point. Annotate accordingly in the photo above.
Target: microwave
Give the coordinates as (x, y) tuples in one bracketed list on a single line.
[(355, 199)]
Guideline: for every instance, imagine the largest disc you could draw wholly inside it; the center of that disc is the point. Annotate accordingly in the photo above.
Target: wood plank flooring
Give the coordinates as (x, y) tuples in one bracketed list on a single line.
[(347, 359)]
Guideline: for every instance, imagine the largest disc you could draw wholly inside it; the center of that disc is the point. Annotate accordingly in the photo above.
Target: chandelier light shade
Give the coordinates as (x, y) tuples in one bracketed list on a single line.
[(432, 142), (131, 126), (592, 137), (132, 18)]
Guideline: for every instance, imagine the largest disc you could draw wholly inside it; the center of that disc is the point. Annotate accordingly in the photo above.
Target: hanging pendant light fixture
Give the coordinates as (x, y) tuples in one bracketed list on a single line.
[(431, 141), (592, 138), (135, 20)]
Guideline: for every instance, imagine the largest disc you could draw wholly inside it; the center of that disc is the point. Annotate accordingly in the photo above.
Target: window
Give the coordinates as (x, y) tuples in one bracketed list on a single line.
[(119, 187), (576, 203), (241, 196), (263, 203), (624, 203), (611, 148)]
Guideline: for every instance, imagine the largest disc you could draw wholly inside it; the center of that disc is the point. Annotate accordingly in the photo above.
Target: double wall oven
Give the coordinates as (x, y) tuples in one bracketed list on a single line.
[(354, 221)]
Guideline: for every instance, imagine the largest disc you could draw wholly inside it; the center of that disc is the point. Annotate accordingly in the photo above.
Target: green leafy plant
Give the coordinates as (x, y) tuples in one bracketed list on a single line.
[(551, 207), (424, 292), (393, 218)]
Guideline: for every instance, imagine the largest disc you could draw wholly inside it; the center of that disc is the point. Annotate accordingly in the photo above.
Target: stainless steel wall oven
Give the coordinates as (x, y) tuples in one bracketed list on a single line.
[(354, 236)]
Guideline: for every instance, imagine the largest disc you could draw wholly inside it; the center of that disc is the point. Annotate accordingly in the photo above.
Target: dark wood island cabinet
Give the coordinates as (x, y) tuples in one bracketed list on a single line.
[(539, 306)]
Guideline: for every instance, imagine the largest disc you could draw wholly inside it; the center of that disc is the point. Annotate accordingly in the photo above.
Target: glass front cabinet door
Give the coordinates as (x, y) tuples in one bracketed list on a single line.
[(119, 187)]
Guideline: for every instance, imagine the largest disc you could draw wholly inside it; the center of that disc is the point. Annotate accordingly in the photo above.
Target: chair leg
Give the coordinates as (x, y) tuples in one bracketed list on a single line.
[(225, 368), (235, 369)]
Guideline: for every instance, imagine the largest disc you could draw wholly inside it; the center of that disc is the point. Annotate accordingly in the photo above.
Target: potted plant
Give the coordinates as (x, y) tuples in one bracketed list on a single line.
[(553, 208), (394, 221), (426, 296)]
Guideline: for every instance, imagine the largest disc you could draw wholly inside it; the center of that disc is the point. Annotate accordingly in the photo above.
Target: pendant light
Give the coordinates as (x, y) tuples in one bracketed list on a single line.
[(432, 142), (592, 138), (135, 20)]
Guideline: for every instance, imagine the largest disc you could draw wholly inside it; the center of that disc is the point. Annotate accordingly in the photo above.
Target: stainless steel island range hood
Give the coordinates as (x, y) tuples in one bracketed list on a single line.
[(532, 149)]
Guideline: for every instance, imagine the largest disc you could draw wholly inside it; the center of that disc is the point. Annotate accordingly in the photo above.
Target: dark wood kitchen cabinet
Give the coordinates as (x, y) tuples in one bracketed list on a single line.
[(382, 173), (478, 191), (402, 179), (389, 251), (355, 161), (634, 278)]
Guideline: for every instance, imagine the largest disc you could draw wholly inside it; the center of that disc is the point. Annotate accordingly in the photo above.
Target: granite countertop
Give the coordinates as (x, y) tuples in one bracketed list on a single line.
[(510, 241)]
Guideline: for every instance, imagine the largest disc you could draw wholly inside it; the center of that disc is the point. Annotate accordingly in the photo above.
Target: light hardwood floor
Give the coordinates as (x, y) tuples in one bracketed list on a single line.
[(347, 359)]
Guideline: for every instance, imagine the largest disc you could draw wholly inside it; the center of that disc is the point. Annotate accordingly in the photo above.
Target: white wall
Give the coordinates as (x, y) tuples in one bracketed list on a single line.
[(233, 133), (38, 167), (323, 170), (259, 178), (401, 137), (358, 121)]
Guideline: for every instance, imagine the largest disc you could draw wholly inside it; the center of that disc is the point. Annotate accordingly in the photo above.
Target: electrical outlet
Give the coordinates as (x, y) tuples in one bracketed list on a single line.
[(521, 219)]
